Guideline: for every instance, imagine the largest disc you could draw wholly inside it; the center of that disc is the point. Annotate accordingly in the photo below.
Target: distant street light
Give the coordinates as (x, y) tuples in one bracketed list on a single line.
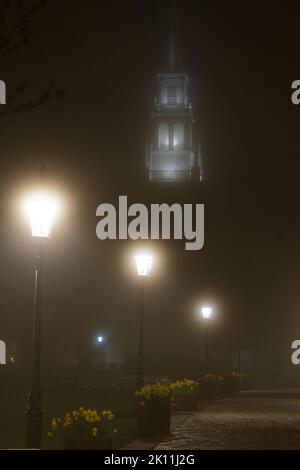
[(143, 267), (206, 312), (41, 209), (99, 339)]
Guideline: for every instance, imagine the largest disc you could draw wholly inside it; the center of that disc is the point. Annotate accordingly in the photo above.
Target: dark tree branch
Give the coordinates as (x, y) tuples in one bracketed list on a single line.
[(16, 25), (16, 33), (27, 105)]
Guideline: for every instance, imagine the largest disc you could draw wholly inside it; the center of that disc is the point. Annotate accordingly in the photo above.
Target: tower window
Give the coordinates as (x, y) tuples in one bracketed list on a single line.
[(178, 141), (172, 94), (163, 136)]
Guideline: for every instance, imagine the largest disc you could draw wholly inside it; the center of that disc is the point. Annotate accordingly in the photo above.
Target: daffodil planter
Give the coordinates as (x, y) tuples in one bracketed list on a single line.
[(154, 418), (153, 409), (210, 391), (84, 429), (185, 402), (88, 444), (231, 384), (184, 394)]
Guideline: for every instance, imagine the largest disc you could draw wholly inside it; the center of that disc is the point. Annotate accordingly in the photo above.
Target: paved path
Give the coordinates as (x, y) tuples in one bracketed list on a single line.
[(240, 423), (148, 444)]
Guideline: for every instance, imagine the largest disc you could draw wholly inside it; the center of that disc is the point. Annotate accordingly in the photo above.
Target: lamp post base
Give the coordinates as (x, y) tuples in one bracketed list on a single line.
[(34, 414), (139, 379)]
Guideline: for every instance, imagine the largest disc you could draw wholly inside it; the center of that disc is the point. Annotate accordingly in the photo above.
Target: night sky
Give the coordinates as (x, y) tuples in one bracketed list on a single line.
[(242, 58)]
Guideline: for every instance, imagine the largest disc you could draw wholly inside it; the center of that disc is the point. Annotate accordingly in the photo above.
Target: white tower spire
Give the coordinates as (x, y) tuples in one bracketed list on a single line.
[(172, 153), (172, 40)]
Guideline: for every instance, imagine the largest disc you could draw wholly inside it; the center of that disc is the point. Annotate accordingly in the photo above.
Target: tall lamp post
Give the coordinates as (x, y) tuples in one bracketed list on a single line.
[(143, 267), (41, 209), (206, 312)]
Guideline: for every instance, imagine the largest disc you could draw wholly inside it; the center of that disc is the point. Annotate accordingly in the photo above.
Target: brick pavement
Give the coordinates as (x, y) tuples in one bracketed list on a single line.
[(240, 423)]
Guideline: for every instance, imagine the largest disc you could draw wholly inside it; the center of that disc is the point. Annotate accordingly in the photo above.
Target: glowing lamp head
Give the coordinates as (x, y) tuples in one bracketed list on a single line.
[(99, 339), (206, 312), (41, 209), (143, 265)]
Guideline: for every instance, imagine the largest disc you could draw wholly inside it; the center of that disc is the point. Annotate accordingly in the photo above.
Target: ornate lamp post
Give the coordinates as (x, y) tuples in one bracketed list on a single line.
[(206, 312), (41, 209), (143, 268)]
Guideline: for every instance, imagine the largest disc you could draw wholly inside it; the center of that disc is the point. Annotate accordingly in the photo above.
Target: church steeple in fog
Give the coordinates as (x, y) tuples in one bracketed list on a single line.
[(173, 150)]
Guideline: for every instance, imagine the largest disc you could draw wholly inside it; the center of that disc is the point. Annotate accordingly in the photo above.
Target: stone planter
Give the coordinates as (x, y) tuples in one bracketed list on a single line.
[(153, 419), (88, 444), (209, 391), (231, 384), (184, 402)]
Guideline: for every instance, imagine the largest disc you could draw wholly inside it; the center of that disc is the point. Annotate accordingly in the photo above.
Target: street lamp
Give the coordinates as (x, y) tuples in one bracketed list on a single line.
[(143, 268), (99, 339), (206, 312), (143, 265), (41, 209)]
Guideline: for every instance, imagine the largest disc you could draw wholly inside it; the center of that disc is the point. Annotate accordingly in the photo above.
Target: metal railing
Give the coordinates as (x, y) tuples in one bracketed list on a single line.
[(170, 175)]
